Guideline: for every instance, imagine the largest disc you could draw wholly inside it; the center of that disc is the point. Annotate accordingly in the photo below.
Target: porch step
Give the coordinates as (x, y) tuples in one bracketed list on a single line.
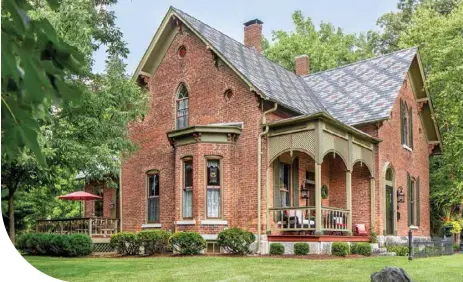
[(386, 254)]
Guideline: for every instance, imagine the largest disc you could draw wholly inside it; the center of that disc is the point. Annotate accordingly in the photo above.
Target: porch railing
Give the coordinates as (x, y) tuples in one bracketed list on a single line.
[(303, 218), (93, 226), (294, 219), (334, 219)]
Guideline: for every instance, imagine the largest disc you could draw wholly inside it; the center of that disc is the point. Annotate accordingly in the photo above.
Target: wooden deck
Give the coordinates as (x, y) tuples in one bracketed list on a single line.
[(95, 227), (313, 238)]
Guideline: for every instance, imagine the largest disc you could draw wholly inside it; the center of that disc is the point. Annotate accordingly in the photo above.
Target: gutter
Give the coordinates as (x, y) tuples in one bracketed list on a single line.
[(259, 172)]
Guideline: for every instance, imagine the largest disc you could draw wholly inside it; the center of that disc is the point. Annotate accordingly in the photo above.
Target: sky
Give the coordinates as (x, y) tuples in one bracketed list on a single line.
[(139, 19)]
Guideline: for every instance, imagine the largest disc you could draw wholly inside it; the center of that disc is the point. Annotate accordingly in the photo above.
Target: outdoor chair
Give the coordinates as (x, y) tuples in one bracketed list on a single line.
[(360, 230)]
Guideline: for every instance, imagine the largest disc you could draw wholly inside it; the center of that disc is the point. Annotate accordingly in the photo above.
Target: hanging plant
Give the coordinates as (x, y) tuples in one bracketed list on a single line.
[(324, 192)]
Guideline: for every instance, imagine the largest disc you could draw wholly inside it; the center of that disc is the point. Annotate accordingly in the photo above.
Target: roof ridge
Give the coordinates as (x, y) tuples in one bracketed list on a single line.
[(358, 62)]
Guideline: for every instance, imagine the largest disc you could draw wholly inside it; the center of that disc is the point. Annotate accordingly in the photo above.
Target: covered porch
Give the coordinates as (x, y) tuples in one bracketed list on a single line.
[(95, 227), (320, 179)]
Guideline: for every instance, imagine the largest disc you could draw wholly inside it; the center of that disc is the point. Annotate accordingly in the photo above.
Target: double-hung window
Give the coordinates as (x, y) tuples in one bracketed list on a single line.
[(406, 124), (188, 189), (285, 184), (182, 107), (213, 187), (153, 196)]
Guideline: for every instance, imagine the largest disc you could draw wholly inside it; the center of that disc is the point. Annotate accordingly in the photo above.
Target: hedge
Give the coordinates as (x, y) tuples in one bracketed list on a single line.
[(55, 244), (277, 249), (398, 250), (301, 249), (125, 243), (340, 249), (154, 241), (361, 249), (187, 243), (236, 241)]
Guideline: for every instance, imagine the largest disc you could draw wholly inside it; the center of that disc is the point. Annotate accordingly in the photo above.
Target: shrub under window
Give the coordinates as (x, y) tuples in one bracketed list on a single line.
[(187, 243), (301, 249), (340, 249), (126, 243), (154, 241), (277, 249), (236, 241)]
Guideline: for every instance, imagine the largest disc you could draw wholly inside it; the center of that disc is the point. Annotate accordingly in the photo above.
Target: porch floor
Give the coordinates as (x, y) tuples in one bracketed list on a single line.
[(313, 238)]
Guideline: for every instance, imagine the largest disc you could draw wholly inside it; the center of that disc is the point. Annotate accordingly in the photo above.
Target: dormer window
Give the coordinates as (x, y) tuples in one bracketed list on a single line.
[(182, 107), (406, 125)]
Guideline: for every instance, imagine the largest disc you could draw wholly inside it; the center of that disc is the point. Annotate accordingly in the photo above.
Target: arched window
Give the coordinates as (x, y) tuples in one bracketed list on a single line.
[(182, 107), (406, 124)]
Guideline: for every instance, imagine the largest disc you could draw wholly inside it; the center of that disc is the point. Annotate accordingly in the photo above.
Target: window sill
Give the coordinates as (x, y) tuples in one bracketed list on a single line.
[(407, 148), (151, 225), (209, 237), (214, 222), (186, 222), (413, 227)]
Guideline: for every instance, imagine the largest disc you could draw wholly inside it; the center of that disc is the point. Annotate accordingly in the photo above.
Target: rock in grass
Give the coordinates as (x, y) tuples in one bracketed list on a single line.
[(390, 274)]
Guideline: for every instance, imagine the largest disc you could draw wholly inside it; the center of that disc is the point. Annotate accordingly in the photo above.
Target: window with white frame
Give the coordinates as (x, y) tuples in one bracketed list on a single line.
[(188, 188), (182, 107), (213, 187), (285, 184)]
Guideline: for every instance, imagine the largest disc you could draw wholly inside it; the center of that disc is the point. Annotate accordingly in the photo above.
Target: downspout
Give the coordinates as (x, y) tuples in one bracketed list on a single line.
[(259, 172), (120, 198)]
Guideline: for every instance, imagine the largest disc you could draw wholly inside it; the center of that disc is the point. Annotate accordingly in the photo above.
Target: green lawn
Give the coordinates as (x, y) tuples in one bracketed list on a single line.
[(445, 268)]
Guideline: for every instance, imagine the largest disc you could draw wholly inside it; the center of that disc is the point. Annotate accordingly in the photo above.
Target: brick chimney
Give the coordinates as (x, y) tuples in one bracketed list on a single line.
[(302, 65), (253, 34)]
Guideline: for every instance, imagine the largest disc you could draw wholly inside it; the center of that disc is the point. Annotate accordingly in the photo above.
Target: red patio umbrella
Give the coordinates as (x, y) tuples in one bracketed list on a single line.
[(79, 196)]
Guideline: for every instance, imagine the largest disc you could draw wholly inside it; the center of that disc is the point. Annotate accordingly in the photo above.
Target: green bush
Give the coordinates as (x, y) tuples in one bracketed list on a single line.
[(301, 249), (340, 249), (373, 238), (55, 244), (154, 241), (363, 249), (235, 241), (277, 249), (456, 247), (398, 250), (187, 243), (125, 243)]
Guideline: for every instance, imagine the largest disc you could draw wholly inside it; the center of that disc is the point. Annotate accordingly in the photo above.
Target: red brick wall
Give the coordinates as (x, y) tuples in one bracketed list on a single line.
[(361, 195), (416, 163), (89, 206), (206, 84)]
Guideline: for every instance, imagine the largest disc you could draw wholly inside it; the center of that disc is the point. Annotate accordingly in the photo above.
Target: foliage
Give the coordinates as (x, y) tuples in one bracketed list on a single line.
[(363, 249), (126, 243), (454, 225), (439, 37), (324, 192), (187, 243), (456, 247), (154, 241), (340, 249), (55, 244), (301, 249), (398, 250), (36, 66), (373, 238), (277, 249), (327, 46), (236, 241)]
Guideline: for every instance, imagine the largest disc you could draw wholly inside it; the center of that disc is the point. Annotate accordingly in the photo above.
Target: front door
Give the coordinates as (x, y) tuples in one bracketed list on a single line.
[(389, 210)]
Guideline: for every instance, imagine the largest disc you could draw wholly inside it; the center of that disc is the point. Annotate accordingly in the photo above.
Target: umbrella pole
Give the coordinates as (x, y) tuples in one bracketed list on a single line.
[(80, 208)]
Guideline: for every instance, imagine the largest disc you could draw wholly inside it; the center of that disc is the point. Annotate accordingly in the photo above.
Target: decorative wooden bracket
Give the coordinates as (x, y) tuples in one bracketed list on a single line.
[(179, 25), (197, 136), (419, 106), (431, 148), (146, 81)]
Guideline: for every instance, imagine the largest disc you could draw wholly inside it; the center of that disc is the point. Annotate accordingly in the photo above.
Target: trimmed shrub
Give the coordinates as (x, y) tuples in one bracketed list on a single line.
[(154, 241), (55, 244), (456, 247), (125, 243), (236, 241), (187, 243), (340, 249), (398, 250), (301, 249), (363, 249), (277, 249)]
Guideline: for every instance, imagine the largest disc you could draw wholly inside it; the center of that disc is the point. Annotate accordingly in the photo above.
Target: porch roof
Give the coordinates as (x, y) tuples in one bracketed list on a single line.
[(329, 119)]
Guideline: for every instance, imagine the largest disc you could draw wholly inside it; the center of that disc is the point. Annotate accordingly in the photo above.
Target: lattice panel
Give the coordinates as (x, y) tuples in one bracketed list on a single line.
[(102, 248), (297, 141), (304, 140), (332, 142)]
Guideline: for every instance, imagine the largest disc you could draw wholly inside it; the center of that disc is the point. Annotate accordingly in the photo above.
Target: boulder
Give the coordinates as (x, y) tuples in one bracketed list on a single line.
[(390, 274)]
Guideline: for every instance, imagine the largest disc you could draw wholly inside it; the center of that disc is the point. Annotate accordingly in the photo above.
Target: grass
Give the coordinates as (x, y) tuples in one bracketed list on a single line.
[(445, 268)]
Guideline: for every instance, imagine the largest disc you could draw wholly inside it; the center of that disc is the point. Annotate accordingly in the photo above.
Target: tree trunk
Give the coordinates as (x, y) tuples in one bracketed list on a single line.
[(11, 215)]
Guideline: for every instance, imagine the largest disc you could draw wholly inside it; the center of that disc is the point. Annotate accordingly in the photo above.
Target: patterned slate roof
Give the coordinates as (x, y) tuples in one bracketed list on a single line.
[(271, 79), (363, 91), (353, 94)]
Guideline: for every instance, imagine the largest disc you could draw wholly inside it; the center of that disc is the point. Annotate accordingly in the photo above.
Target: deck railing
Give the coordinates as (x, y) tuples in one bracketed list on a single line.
[(93, 226), (303, 218)]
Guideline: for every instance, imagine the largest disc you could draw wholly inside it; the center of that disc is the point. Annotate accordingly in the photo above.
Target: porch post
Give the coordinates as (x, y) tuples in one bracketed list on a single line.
[(349, 201), (318, 199), (372, 205)]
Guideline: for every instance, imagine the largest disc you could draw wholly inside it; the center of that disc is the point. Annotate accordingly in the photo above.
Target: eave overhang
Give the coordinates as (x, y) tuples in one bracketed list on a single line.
[(204, 134)]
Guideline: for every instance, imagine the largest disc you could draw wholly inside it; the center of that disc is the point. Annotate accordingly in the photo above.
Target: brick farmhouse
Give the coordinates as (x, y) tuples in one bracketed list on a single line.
[(232, 139)]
